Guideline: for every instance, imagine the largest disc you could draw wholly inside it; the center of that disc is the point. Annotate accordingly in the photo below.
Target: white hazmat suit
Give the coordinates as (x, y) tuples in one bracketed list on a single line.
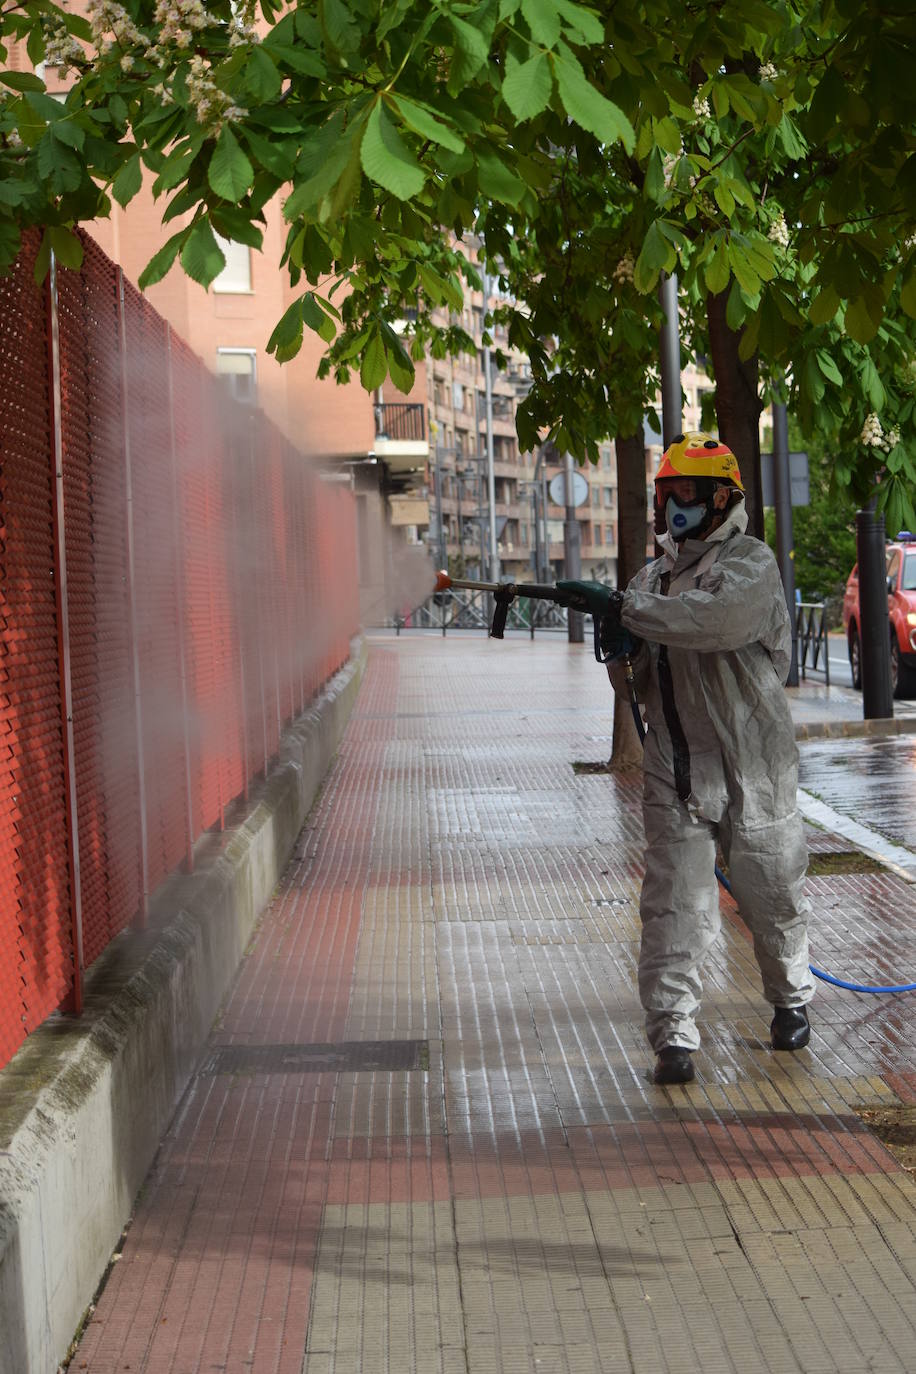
[(721, 763)]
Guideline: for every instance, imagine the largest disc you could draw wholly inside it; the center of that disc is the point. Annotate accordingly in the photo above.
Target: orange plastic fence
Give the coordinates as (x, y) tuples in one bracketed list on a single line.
[(176, 584)]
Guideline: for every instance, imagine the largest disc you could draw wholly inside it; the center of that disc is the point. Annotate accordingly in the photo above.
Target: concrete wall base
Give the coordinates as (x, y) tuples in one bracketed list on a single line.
[(86, 1100)]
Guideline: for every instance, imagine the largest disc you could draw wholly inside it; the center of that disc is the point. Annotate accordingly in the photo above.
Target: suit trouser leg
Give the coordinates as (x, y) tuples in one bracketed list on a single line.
[(767, 865), (679, 910)]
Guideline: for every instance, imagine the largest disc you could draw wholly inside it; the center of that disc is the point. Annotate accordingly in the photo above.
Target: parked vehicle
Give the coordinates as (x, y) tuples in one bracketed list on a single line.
[(901, 608)]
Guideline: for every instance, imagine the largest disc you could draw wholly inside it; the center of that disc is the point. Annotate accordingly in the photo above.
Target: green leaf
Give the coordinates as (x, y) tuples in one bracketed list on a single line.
[(128, 181), (472, 46), (791, 139), (873, 385), (717, 270), (422, 120), (158, 265), (316, 319), (858, 321), (21, 81), (322, 163), (724, 199), (374, 366), (740, 264), (288, 330), (588, 107), (829, 367), (585, 21), (387, 160), (824, 306), (278, 158), (230, 174), (66, 246), (527, 87), (497, 181), (261, 76), (667, 135), (338, 24), (400, 365), (543, 19), (655, 254), (66, 131), (233, 223), (201, 257), (58, 165)]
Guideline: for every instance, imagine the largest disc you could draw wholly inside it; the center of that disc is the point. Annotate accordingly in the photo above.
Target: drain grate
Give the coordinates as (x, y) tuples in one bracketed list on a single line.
[(348, 1056)]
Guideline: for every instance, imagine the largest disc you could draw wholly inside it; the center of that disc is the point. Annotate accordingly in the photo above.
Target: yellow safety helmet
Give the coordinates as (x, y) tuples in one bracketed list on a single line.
[(699, 455)]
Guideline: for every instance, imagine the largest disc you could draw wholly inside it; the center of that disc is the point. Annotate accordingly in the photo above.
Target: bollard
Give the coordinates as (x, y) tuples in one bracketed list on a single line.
[(874, 626)]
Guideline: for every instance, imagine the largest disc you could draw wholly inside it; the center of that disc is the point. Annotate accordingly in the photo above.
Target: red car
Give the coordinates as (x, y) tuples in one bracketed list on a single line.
[(901, 607)]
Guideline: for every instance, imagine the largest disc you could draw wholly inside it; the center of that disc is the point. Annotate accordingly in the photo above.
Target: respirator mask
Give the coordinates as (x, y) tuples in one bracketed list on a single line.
[(686, 519), (682, 520)]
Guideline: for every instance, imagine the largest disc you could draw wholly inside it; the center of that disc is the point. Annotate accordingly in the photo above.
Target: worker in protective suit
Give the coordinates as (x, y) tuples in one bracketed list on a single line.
[(707, 629)]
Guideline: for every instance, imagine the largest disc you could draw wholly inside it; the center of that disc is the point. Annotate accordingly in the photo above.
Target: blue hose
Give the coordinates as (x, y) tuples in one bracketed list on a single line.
[(828, 977), (818, 973)]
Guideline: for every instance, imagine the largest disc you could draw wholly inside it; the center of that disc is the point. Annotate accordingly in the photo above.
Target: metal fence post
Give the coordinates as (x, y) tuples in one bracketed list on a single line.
[(180, 595), (132, 605), (63, 640)]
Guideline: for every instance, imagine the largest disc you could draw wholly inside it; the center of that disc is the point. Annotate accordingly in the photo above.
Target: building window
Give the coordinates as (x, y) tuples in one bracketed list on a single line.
[(608, 496), (596, 534), (235, 277), (236, 368)]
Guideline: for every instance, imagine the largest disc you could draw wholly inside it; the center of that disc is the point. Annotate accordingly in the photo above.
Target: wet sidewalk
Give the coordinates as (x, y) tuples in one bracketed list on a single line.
[(423, 1137)]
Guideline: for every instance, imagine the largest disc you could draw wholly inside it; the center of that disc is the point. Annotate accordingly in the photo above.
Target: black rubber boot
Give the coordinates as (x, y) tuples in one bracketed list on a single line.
[(789, 1029), (673, 1065)]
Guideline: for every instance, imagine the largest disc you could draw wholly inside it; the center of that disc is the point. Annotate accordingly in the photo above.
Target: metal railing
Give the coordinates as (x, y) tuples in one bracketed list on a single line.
[(400, 420), (466, 610), (811, 633)]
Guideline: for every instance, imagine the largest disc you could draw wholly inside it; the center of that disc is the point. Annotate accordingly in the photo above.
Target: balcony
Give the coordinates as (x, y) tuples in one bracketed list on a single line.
[(400, 436)]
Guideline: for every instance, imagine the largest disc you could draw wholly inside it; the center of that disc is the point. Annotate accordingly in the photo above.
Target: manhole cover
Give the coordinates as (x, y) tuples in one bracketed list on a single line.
[(349, 1056)]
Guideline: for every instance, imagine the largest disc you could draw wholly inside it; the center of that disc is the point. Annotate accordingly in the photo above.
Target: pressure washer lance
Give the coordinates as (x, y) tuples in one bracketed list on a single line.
[(504, 593)]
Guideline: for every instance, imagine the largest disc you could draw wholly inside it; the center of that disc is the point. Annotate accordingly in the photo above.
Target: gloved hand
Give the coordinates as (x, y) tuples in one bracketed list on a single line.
[(600, 599), (616, 642)]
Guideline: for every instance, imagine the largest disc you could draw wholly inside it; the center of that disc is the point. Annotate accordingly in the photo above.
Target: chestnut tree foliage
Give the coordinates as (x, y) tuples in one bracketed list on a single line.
[(764, 150)]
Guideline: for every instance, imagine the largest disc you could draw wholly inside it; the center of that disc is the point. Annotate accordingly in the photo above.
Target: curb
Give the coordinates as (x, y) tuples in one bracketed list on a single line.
[(86, 1100), (853, 729)]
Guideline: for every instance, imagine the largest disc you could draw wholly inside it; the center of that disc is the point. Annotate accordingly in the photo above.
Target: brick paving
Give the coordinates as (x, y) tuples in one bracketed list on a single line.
[(523, 1198)]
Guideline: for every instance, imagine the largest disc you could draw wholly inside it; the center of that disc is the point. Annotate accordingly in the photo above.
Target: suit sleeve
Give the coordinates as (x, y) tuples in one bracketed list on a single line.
[(743, 602)]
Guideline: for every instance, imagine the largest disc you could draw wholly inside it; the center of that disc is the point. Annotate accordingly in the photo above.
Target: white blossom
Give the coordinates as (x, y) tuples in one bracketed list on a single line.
[(909, 243), (669, 164), (701, 107), (778, 231), (211, 105), (625, 268), (892, 438), (61, 48), (767, 71), (178, 20), (107, 17), (872, 435)]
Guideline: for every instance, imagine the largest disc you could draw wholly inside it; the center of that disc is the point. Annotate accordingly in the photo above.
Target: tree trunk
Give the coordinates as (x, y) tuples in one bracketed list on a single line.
[(632, 512), (738, 404)]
